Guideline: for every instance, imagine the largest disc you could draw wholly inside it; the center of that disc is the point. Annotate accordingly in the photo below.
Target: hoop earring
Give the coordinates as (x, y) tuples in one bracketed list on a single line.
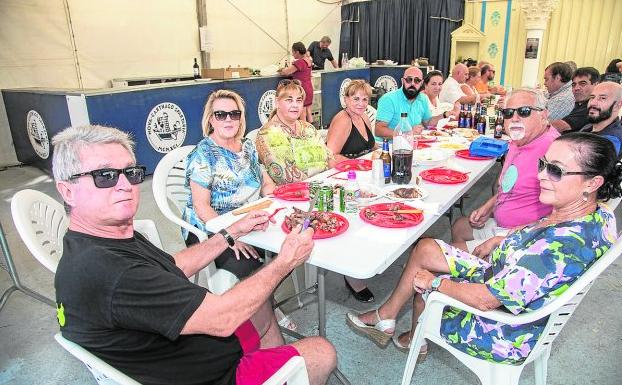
[(585, 196)]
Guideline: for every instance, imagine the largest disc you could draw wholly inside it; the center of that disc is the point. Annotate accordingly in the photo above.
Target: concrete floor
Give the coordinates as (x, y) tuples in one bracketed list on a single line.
[(587, 352)]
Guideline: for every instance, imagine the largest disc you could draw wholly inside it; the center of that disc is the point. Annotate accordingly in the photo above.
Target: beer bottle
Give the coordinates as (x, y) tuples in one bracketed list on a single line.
[(481, 122), (195, 69), (499, 125), (386, 161), (461, 117), (469, 117), (476, 116)]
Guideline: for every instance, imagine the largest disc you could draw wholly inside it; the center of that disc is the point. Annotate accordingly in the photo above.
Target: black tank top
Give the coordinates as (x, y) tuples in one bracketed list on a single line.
[(356, 145)]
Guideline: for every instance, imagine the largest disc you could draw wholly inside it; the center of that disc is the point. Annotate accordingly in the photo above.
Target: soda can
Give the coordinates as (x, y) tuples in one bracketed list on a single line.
[(340, 201), (314, 187), (327, 198)]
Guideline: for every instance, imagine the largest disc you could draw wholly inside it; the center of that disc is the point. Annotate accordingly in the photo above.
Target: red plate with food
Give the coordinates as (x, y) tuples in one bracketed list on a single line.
[(392, 215), (466, 154), (298, 191), (425, 138), (354, 165), (422, 145), (443, 176), (325, 224)]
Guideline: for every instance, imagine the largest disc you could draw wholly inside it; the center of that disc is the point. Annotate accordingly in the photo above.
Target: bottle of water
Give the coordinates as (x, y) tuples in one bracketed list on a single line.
[(351, 192)]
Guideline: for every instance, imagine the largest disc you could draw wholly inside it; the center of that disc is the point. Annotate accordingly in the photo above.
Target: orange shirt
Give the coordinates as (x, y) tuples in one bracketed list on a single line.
[(481, 87)]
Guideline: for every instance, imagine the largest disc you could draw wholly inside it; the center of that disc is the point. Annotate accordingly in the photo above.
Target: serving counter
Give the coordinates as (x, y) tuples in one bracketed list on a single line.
[(160, 117)]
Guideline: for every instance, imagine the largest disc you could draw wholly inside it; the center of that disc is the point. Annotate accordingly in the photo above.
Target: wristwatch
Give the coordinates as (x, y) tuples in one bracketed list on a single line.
[(436, 283), (227, 237)]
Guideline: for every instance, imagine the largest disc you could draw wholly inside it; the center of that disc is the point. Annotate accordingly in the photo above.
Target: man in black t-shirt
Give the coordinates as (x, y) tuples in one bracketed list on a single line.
[(603, 110), (583, 81), (319, 52), (132, 305)]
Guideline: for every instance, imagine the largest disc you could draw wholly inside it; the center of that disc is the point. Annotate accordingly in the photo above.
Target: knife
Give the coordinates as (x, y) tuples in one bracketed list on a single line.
[(307, 215)]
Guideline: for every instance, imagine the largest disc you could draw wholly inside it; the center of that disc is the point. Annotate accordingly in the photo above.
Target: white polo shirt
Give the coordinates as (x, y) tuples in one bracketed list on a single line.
[(451, 91)]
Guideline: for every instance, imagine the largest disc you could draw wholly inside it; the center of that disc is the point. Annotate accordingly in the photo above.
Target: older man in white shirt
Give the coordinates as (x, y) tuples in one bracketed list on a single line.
[(451, 91)]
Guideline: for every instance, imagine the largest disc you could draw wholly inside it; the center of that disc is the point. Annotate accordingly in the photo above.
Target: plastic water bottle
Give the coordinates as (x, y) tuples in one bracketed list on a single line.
[(351, 193)]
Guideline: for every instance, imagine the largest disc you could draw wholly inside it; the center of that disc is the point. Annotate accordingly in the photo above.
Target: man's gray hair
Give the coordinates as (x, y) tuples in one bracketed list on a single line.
[(69, 142), (539, 98)]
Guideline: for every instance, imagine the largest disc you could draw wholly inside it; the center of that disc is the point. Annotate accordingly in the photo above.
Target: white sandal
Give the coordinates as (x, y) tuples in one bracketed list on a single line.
[(377, 333)]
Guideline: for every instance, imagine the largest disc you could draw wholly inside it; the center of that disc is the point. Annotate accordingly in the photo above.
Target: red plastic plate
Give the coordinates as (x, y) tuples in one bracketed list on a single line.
[(467, 155), (319, 234), (443, 176), (383, 219), (297, 191), (354, 164), (425, 139)]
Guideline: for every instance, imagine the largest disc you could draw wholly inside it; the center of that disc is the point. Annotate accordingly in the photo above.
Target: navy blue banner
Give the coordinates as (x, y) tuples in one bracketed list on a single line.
[(332, 86)]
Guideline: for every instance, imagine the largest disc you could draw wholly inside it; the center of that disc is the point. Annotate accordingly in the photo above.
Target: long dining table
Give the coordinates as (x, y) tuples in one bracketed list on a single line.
[(363, 250)]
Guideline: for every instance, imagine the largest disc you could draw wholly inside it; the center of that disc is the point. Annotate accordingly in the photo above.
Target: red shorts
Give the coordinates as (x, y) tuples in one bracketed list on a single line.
[(258, 365)]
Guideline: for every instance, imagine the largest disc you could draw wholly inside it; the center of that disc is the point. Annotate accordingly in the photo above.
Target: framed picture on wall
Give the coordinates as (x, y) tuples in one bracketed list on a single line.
[(531, 50)]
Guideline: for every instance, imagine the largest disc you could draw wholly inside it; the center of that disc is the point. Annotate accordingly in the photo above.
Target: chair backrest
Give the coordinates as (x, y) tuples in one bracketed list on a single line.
[(252, 135), (148, 228), (371, 114), (104, 374), (562, 307), (168, 186), (41, 223)]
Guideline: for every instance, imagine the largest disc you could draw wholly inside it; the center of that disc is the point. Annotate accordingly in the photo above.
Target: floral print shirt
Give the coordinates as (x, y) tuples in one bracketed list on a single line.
[(531, 267), (291, 158), (233, 179)]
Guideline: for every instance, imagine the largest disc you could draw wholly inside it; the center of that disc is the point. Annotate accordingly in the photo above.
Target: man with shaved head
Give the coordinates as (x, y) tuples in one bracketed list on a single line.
[(451, 91), (603, 109), (409, 99)]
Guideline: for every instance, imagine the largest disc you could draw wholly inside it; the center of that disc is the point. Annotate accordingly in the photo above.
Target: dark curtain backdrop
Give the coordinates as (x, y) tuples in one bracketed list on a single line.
[(400, 30)]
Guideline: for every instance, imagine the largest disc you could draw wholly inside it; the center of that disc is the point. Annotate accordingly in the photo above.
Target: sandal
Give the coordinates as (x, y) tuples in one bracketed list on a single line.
[(423, 352), (285, 321), (377, 333)]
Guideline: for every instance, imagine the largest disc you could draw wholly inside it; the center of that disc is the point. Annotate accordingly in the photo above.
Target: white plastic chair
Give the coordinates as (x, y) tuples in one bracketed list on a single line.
[(489, 373), (168, 185), (371, 114), (294, 372)]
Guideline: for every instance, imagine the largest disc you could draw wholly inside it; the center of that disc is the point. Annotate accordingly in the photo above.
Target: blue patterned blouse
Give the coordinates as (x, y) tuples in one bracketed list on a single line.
[(233, 179)]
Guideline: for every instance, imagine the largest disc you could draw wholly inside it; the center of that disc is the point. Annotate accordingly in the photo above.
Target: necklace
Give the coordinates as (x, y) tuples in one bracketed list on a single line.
[(291, 130)]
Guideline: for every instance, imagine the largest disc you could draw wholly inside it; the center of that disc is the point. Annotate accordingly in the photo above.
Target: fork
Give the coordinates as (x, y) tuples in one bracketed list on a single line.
[(275, 211)]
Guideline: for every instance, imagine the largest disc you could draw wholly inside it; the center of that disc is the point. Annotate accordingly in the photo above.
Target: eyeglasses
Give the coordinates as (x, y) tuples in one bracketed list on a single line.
[(523, 111), (286, 82), (222, 115), (555, 172), (412, 79), (109, 177)]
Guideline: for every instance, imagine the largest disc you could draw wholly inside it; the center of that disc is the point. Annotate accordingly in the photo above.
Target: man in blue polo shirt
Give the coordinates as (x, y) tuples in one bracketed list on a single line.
[(407, 98)]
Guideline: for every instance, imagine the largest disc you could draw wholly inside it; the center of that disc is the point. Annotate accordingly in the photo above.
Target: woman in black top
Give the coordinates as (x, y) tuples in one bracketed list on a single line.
[(349, 134)]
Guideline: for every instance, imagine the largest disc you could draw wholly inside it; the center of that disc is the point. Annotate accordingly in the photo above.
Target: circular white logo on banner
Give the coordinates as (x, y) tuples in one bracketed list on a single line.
[(37, 134), (166, 127), (387, 82), (266, 105), (342, 91)]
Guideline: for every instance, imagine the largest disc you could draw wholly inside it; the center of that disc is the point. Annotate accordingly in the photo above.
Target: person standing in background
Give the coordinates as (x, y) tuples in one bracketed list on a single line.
[(319, 52), (300, 70)]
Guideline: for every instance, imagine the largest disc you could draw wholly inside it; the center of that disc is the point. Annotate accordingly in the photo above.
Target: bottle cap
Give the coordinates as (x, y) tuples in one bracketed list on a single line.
[(351, 175)]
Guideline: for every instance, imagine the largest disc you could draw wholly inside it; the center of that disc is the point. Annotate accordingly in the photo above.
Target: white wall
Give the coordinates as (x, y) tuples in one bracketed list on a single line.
[(136, 38)]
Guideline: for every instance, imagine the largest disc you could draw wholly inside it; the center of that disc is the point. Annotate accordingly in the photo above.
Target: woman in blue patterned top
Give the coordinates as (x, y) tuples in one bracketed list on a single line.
[(519, 273), (223, 173)]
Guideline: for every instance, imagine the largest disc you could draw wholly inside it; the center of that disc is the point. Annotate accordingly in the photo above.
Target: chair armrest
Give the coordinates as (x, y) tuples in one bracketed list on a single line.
[(436, 299), (294, 372)]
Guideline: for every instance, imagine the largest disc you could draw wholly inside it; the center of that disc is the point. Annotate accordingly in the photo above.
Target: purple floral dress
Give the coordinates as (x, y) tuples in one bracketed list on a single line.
[(531, 267)]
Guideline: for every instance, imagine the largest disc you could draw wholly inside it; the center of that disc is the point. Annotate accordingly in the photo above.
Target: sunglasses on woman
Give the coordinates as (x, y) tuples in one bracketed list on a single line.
[(222, 115), (523, 111), (286, 82), (555, 172), (109, 177)]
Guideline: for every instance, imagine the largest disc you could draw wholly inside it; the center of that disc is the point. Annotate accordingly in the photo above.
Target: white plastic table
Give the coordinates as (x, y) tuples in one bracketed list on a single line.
[(364, 250)]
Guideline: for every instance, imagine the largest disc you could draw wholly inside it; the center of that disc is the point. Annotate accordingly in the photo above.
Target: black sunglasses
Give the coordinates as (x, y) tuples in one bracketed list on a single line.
[(286, 82), (411, 79), (523, 111), (555, 172), (108, 177), (222, 115)]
